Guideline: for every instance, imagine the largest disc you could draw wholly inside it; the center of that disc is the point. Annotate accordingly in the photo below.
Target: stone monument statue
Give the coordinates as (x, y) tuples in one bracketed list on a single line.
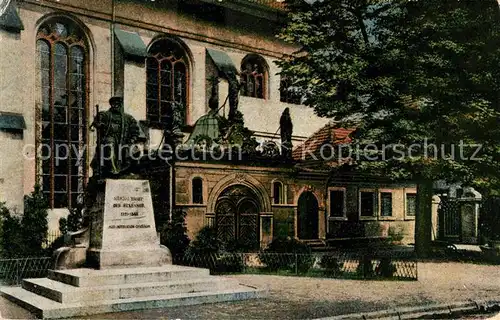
[(234, 92), (286, 129), (119, 221)]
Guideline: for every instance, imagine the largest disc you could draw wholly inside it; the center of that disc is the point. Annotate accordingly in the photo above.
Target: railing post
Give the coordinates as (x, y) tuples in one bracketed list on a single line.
[(296, 265), (18, 272)]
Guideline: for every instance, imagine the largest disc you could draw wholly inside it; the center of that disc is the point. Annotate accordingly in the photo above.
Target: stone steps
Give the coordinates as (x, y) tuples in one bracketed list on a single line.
[(50, 309), (65, 293), (92, 277), (80, 292)]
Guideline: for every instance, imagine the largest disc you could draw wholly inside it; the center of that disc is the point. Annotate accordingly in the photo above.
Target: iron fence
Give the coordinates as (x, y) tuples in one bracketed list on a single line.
[(12, 271), (344, 265), (329, 265), (51, 237)]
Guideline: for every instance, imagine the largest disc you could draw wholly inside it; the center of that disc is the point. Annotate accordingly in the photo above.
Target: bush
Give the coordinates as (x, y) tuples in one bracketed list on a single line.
[(26, 235), (396, 234), (287, 254), (34, 223), (331, 265), (206, 242), (229, 263), (173, 234), (365, 267), (240, 246), (12, 240), (386, 269)]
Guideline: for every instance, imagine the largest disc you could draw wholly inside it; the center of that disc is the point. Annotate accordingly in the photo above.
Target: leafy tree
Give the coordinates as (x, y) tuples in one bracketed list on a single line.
[(405, 73)]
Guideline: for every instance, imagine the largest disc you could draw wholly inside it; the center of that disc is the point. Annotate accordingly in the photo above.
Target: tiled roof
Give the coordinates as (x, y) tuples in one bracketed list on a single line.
[(311, 148)]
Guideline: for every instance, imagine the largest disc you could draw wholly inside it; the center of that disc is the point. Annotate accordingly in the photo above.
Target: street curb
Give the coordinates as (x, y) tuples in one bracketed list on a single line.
[(417, 312)]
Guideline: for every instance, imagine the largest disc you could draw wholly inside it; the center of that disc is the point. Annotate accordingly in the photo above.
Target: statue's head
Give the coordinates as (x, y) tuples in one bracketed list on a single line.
[(116, 104)]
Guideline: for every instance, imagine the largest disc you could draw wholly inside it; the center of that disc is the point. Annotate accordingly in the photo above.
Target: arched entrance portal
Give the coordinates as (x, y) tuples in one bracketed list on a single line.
[(237, 217), (307, 219)]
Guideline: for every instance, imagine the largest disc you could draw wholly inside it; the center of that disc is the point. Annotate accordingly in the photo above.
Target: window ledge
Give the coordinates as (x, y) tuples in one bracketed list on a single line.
[(373, 218), (409, 218), (337, 218), (387, 218)]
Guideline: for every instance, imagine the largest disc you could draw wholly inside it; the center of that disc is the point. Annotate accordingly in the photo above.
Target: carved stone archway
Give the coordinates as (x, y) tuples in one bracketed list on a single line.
[(239, 179), (237, 217)]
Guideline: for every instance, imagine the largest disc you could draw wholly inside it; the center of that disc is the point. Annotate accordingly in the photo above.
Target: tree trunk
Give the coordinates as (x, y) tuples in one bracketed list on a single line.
[(423, 218)]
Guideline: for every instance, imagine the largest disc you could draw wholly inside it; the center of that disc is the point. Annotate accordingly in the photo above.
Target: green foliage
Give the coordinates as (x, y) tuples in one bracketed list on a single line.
[(365, 267), (206, 242), (229, 263), (173, 234), (75, 219), (11, 241), (292, 255), (63, 225), (386, 269), (34, 223), (419, 81), (26, 235), (405, 72), (395, 234), (331, 265)]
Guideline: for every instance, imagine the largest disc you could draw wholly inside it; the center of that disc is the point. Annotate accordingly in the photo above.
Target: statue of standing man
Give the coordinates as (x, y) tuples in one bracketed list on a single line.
[(286, 128), (118, 132)]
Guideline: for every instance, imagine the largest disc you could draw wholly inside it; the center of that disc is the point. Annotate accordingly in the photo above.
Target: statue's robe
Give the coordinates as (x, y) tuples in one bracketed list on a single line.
[(118, 133)]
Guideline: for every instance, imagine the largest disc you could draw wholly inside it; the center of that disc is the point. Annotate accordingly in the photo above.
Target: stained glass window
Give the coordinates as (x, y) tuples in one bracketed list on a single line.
[(61, 71), (167, 82), (254, 77)]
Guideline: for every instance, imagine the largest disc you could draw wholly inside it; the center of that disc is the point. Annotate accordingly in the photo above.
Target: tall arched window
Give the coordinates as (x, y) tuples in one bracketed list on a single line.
[(167, 82), (62, 72), (197, 190), (254, 77)]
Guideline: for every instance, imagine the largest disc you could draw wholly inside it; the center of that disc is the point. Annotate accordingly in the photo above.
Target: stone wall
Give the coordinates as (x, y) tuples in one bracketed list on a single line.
[(218, 177)]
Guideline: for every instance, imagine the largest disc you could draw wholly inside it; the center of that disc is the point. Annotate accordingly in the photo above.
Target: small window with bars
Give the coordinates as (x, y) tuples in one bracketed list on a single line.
[(337, 203), (367, 203), (386, 204), (411, 204), (197, 191)]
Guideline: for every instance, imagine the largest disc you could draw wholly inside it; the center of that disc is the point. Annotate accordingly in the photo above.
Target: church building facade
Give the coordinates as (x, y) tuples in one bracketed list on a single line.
[(61, 58)]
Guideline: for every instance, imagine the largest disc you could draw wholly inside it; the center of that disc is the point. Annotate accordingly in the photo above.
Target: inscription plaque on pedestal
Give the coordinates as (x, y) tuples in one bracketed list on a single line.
[(123, 232), (128, 214)]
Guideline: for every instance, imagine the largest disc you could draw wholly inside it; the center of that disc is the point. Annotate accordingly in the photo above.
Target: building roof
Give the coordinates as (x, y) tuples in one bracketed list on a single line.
[(328, 136)]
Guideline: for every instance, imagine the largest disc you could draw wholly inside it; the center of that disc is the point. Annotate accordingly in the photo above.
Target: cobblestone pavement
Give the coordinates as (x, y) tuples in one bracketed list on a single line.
[(308, 298)]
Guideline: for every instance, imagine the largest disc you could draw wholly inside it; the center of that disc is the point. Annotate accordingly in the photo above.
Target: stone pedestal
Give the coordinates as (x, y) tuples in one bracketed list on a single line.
[(122, 230)]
